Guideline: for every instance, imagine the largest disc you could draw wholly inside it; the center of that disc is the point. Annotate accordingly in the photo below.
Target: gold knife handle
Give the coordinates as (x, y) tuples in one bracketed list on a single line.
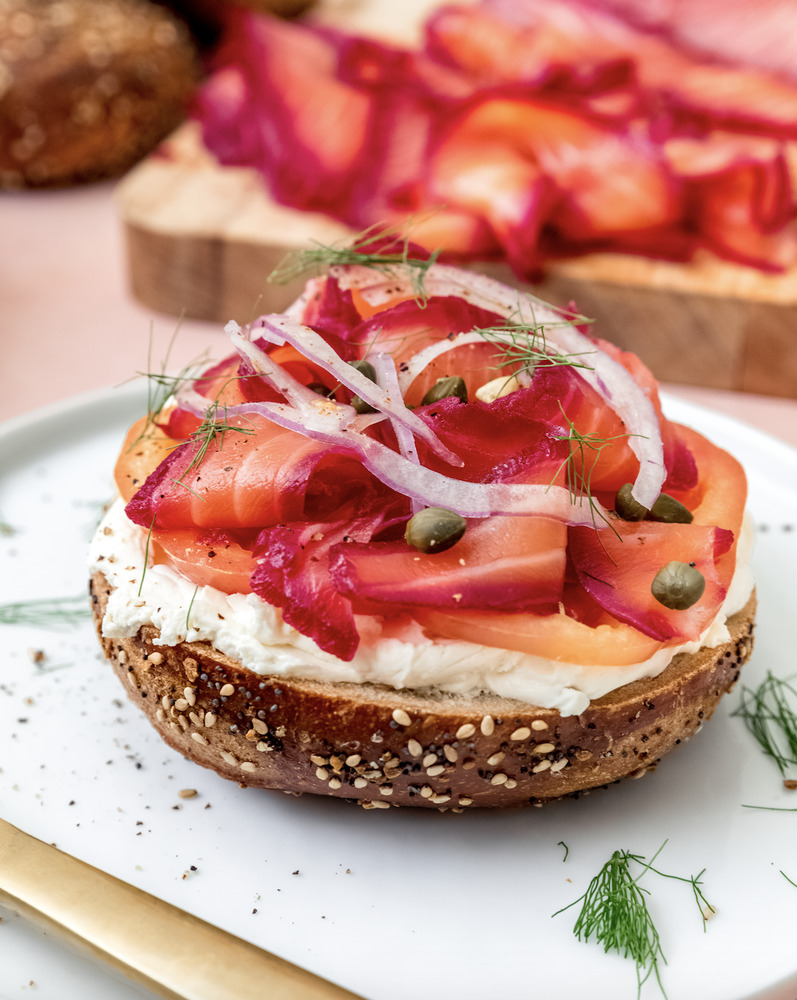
[(173, 953)]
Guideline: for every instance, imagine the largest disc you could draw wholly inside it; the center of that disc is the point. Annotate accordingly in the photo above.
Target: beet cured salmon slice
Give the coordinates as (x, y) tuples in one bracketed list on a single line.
[(515, 563), (526, 131), (618, 570), (214, 558), (609, 180), (259, 475), (295, 73)]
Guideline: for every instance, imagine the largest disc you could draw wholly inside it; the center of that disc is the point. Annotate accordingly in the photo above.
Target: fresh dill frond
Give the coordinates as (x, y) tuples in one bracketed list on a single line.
[(524, 347), (770, 714), (396, 253), (160, 389), (146, 556), (615, 914), (185, 486), (190, 606), (211, 432), (161, 386), (705, 908), (561, 843), (580, 463), (570, 317), (788, 879), (774, 809), (47, 612)]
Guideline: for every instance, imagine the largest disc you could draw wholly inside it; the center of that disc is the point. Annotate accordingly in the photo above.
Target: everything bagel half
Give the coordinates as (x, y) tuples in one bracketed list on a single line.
[(381, 747), (423, 540)]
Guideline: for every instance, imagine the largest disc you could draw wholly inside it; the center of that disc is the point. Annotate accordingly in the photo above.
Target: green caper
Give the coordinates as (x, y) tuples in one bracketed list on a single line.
[(665, 508), (364, 368), (669, 510), (320, 388), (450, 385), (678, 585), (434, 529), (627, 507), (367, 369)]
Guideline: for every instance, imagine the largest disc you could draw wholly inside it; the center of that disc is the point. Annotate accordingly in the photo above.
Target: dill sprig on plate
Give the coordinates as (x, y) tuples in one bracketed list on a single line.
[(774, 809), (47, 612), (615, 914), (358, 251), (770, 714)]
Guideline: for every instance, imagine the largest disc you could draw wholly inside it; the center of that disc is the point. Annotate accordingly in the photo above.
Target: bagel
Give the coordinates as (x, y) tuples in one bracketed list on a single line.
[(273, 601), (381, 747), (88, 87)]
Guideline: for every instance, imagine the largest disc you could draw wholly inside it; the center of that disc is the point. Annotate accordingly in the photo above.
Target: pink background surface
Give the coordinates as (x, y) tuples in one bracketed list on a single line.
[(68, 322)]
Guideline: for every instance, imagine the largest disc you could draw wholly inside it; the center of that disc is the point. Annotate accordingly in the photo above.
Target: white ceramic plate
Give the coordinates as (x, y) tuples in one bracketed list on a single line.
[(391, 903)]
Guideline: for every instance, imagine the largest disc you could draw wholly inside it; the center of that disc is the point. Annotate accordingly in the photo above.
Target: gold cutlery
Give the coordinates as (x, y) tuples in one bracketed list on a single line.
[(173, 953)]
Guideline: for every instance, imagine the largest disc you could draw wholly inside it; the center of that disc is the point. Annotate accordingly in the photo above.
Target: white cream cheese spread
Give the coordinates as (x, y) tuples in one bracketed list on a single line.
[(394, 653)]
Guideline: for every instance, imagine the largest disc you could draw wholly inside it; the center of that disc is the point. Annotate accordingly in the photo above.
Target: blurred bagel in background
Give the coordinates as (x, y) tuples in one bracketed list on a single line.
[(88, 87)]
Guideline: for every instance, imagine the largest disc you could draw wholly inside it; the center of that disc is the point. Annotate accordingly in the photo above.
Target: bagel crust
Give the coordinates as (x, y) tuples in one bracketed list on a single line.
[(382, 747), (88, 87)]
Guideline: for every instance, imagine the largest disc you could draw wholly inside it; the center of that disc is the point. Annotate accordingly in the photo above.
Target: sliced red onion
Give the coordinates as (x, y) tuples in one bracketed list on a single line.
[(279, 378), (279, 329), (608, 377), (387, 378)]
